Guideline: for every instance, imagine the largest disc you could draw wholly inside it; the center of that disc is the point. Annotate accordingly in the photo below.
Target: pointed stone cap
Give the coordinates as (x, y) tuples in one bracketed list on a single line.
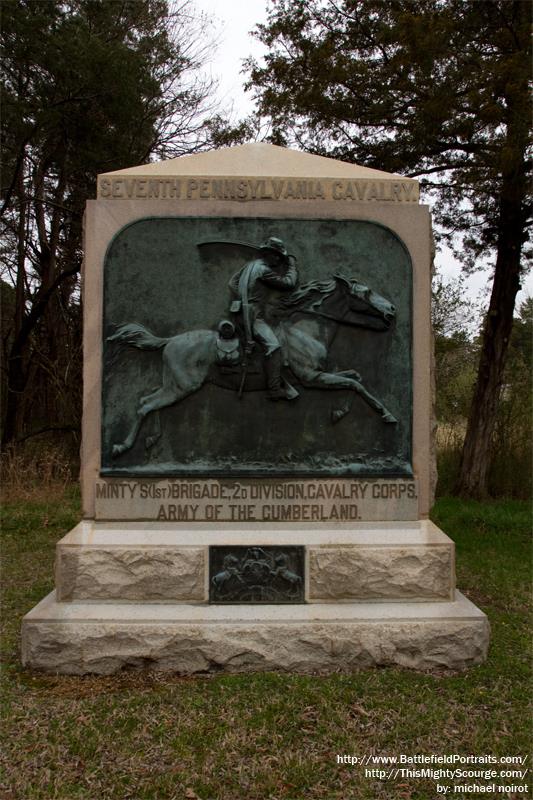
[(257, 171)]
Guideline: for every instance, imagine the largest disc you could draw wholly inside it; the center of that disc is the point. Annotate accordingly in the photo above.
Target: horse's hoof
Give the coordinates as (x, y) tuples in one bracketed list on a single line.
[(118, 449), (387, 417), (337, 414)]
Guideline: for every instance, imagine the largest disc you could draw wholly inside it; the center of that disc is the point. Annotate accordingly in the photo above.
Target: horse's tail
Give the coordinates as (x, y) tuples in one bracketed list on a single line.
[(134, 335)]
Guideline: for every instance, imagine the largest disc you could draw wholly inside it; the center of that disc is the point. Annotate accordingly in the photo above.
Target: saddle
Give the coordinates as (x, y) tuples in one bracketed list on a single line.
[(229, 352), (230, 359)]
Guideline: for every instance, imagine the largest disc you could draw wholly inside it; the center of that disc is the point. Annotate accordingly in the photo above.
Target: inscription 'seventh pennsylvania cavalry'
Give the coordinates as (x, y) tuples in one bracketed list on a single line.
[(257, 463)]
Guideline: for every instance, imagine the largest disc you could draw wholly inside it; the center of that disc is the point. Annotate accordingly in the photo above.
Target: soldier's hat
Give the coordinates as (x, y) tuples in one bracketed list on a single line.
[(275, 245)]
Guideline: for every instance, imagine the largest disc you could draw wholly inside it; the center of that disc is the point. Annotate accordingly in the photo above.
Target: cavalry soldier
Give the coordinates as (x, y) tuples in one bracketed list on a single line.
[(274, 269)]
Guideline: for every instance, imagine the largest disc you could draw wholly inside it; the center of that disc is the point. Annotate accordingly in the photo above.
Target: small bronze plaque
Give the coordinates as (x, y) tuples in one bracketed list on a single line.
[(268, 574)]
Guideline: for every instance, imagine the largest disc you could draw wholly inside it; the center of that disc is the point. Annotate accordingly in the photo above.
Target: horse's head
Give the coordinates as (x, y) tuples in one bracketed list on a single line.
[(366, 308), (344, 300)]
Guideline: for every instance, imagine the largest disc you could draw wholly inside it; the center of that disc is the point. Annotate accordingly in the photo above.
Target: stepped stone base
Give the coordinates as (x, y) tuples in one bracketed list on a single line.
[(146, 562), (103, 638)]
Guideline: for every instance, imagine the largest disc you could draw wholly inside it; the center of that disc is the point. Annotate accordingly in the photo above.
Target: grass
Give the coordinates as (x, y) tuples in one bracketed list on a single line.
[(154, 736)]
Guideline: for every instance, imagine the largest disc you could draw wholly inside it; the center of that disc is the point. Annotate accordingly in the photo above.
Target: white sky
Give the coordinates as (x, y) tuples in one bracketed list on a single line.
[(232, 22)]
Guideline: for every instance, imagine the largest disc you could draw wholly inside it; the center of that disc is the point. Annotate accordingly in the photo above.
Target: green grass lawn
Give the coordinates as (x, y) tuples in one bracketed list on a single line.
[(153, 736)]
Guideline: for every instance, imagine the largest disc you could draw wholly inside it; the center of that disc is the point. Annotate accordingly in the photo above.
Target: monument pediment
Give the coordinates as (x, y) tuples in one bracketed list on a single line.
[(257, 171)]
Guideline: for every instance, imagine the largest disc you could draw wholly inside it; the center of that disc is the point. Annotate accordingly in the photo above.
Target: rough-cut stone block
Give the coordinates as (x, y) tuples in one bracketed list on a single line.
[(144, 562), (79, 638), (381, 573), (144, 574)]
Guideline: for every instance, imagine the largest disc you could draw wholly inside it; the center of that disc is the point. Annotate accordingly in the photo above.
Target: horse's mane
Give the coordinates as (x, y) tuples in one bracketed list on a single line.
[(310, 295)]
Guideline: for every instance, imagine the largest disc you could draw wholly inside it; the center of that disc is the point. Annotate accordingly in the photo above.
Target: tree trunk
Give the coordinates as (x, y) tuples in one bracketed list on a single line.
[(15, 367), (476, 453), (475, 459), (16, 374)]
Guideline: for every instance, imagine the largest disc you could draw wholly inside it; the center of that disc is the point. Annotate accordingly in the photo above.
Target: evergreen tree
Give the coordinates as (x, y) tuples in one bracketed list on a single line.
[(88, 86), (436, 89)]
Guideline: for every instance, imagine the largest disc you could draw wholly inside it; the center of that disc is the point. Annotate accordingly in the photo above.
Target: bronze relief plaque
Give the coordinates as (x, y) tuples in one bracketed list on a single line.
[(245, 347), (239, 574)]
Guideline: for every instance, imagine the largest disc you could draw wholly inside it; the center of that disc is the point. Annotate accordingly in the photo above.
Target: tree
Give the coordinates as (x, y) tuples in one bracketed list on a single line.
[(89, 86), (433, 88), (511, 468), (455, 351)]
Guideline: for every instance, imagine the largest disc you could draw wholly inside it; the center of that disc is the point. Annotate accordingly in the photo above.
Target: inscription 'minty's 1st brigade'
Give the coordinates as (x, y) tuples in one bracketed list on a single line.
[(235, 501), (244, 189)]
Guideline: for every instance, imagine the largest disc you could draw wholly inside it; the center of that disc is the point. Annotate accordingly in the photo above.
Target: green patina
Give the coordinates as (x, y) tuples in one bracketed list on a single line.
[(156, 276)]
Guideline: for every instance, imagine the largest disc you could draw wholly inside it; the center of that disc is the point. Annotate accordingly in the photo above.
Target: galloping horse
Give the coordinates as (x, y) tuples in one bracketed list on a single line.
[(308, 321)]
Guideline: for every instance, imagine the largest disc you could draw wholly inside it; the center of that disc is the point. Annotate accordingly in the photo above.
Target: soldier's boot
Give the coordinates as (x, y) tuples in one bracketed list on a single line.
[(273, 373)]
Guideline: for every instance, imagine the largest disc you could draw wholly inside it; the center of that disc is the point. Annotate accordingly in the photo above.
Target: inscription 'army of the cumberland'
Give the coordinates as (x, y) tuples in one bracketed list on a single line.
[(245, 189)]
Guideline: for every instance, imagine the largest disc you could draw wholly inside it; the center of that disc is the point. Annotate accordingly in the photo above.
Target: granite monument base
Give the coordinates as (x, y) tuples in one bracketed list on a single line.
[(103, 638), (137, 595)]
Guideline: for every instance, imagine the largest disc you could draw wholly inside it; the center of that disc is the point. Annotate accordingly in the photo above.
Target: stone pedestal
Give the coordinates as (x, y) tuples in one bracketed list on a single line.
[(78, 638), (143, 562), (130, 595)]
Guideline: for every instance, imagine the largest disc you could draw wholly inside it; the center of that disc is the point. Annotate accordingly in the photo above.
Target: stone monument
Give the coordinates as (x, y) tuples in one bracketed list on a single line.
[(257, 465)]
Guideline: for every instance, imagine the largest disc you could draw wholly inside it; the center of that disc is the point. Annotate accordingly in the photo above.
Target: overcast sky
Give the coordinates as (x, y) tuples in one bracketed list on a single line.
[(232, 21)]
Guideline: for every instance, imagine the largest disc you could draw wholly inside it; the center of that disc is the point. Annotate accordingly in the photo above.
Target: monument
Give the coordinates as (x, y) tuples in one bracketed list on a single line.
[(257, 466)]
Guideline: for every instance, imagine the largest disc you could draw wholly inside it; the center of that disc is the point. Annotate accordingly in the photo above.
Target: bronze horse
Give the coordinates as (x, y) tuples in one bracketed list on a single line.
[(309, 318)]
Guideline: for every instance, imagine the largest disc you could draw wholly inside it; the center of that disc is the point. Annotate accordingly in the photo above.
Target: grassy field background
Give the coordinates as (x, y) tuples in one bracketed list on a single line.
[(153, 736)]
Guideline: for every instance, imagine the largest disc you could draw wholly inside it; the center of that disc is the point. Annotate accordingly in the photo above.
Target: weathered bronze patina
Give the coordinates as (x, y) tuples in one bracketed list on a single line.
[(256, 574), (281, 326)]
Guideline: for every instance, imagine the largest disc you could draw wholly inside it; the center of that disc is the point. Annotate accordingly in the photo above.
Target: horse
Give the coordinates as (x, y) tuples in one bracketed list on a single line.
[(307, 322)]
